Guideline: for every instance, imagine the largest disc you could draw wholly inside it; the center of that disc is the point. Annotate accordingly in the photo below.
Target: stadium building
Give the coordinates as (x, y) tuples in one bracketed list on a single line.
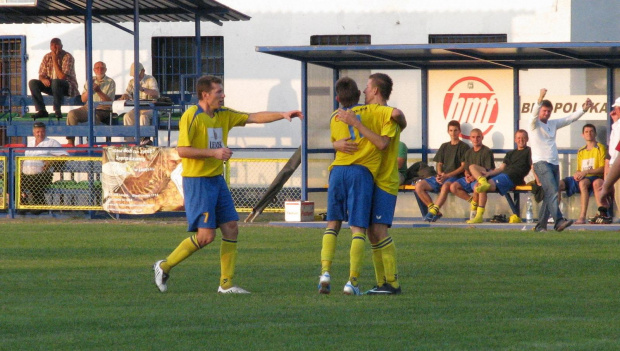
[(255, 81)]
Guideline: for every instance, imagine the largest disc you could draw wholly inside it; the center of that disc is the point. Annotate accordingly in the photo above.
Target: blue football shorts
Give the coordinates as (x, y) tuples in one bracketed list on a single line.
[(208, 202), (349, 196)]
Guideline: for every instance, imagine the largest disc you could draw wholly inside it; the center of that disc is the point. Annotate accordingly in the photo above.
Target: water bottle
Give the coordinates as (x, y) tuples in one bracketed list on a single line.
[(529, 214)]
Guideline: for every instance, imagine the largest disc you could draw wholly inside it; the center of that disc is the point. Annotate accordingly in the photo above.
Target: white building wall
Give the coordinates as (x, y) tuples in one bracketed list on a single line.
[(255, 81)]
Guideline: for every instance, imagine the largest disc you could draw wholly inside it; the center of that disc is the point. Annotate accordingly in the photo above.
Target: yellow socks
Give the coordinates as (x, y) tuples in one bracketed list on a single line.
[(479, 216), (228, 259), (185, 249), (357, 256), (328, 250), (389, 261), (377, 260), (432, 208), (385, 271), (473, 204), (483, 185)]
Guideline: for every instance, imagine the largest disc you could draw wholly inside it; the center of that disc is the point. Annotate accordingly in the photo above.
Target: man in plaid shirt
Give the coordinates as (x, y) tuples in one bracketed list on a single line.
[(56, 77)]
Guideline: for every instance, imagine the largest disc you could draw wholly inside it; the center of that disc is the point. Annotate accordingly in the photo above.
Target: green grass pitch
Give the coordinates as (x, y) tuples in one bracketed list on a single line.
[(88, 285)]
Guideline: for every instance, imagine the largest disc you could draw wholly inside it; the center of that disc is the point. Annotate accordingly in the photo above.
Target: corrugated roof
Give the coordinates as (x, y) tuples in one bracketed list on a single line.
[(456, 56), (117, 11)]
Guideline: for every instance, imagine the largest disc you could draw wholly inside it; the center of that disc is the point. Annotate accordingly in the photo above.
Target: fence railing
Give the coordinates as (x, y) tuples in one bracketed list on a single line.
[(74, 182)]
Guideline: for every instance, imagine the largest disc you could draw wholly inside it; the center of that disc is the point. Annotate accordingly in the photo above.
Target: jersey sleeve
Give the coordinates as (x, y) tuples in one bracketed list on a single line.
[(185, 134)]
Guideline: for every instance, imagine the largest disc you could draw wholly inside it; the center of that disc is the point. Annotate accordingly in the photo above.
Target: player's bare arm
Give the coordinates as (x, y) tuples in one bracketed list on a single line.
[(379, 141), (267, 116), (223, 154), (399, 117), (345, 145)]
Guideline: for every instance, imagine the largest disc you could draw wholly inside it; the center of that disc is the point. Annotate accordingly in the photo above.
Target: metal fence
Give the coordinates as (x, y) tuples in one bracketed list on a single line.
[(249, 178), (58, 183), (3, 183), (74, 183)]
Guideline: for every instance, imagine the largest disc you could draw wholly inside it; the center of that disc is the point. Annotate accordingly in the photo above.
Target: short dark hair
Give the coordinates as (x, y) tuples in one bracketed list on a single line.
[(38, 125), (527, 136), (546, 103), (56, 40), (347, 91), (588, 125), (205, 84), (384, 83), (454, 123)]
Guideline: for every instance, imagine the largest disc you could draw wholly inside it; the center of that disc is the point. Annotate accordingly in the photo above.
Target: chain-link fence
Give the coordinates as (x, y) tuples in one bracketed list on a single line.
[(74, 183), (58, 183), (3, 183), (249, 178)]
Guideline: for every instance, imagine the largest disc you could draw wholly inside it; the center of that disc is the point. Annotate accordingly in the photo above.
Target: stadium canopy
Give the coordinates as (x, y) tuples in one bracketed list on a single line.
[(114, 12), (117, 11), (425, 57)]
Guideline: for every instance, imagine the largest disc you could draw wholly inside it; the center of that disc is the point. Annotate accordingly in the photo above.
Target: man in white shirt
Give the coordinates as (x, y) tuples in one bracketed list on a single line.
[(545, 158), (36, 175), (149, 90)]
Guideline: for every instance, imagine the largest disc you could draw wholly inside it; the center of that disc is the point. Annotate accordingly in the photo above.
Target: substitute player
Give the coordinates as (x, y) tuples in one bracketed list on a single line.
[(351, 178), (203, 135)]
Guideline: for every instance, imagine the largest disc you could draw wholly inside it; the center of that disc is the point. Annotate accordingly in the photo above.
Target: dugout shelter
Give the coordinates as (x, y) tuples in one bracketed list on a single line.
[(480, 84), (114, 13)]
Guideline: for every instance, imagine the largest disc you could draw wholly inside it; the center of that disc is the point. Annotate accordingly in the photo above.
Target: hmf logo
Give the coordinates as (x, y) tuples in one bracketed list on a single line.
[(471, 100)]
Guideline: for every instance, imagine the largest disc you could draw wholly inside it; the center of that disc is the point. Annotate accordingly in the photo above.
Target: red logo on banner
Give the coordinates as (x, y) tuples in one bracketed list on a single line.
[(471, 100)]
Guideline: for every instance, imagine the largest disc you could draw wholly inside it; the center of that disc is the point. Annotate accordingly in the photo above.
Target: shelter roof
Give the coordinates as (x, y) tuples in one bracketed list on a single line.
[(456, 56), (118, 11)]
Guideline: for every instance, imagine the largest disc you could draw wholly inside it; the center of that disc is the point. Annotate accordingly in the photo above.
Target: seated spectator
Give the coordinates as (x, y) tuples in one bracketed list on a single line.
[(402, 162), (36, 174), (56, 77), (479, 155), (589, 175), (450, 166), (516, 166), (149, 90), (104, 89)]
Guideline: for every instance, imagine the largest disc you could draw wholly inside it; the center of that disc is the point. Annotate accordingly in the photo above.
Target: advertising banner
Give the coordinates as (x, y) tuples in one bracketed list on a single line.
[(141, 180), (480, 99), (565, 105)]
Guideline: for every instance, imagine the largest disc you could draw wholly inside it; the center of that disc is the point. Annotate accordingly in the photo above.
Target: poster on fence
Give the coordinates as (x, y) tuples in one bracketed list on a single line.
[(141, 180)]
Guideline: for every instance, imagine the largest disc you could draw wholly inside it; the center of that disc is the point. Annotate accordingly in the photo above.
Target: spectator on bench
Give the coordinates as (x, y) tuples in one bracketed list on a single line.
[(450, 167), (479, 155), (589, 174), (104, 89), (149, 90), (56, 77), (516, 166), (36, 175)]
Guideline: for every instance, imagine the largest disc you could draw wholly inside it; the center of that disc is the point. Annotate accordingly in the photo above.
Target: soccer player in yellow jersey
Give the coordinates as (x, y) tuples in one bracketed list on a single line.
[(203, 134), (350, 130), (351, 177), (378, 90)]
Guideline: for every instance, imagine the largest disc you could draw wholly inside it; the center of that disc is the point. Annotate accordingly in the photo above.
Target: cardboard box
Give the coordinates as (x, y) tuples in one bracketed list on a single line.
[(298, 211)]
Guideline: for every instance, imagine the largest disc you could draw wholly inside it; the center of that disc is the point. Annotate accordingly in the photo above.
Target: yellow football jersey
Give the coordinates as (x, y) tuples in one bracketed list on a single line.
[(375, 117), (199, 130), (387, 178)]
